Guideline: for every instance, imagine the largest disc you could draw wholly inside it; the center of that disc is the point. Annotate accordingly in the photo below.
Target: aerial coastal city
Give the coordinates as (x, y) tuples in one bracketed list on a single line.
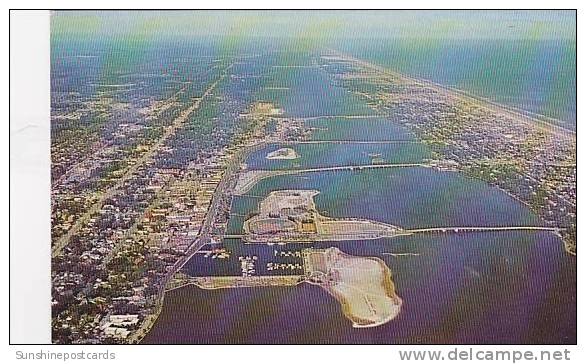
[(229, 190)]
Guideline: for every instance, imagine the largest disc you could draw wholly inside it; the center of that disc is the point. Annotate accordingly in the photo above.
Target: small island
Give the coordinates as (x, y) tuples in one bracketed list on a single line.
[(283, 153), (362, 285)]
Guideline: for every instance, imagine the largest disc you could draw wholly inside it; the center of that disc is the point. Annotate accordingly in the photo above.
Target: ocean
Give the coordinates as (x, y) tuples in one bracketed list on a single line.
[(538, 76)]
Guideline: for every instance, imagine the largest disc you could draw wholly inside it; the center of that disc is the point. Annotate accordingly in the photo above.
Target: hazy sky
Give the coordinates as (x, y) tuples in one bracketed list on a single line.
[(320, 24)]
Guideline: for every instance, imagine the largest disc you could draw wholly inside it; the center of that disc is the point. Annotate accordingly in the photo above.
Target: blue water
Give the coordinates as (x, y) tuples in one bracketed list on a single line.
[(493, 288), (331, 155), (533, 75), (490, 287)]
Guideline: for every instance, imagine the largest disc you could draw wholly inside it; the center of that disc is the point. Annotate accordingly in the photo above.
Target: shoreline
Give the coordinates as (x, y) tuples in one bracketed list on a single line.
[(233, 166), (524, 115)]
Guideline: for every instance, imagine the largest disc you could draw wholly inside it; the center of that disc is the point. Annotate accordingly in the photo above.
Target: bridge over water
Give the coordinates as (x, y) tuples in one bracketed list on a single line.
[(464, 229), (249, 179), (443, 230), (357, 167)]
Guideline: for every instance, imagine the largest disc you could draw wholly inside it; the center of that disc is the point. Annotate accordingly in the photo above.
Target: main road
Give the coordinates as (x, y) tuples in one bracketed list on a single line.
[(431, 230), (249, 179)]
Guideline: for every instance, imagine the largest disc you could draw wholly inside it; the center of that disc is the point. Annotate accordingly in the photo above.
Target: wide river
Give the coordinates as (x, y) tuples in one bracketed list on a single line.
[(485, 287)]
